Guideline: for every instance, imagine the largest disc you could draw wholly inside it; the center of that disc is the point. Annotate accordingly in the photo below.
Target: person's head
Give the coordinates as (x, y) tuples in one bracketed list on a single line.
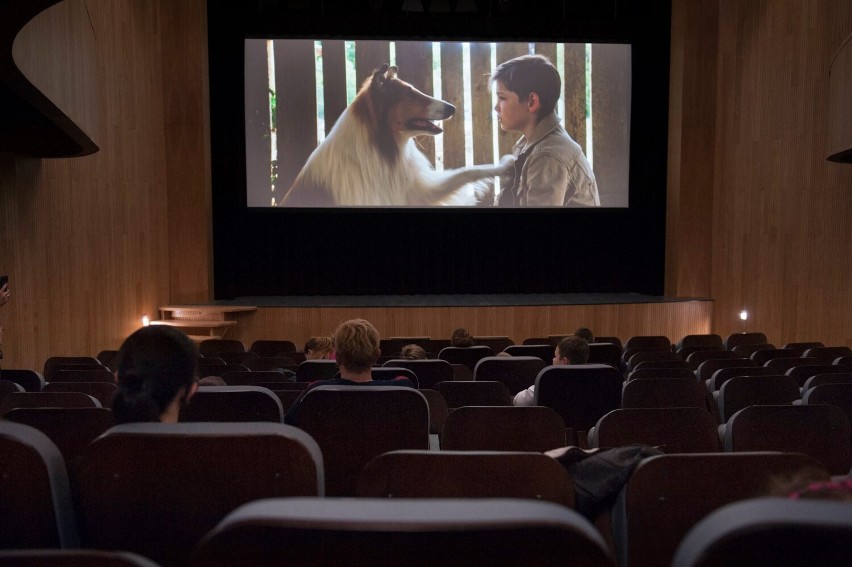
[(571, 350), (585, 333), (156, 375), (356, 345), (461, 338), (319, 348), (527, 89), (212, 381), (413, 352)]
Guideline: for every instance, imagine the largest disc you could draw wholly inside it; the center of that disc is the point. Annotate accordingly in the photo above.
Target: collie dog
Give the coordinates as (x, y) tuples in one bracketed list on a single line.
[(370, 158)]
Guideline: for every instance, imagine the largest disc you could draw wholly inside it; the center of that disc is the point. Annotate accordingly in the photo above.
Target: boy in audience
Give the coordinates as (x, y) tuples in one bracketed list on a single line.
[(319, 348), (570, 350), (550, 168), (356, 349)]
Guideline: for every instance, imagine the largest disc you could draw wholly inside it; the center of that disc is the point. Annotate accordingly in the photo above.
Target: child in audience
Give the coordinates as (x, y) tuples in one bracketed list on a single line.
[(156, 375), (570, 350), (319, 348), (356, 349), (412, 352), (586, 334), (461, 338)]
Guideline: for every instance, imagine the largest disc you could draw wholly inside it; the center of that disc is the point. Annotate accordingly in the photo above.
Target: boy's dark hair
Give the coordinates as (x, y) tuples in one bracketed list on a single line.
[(585, 333), (531, 73), (154, 363), (575, 349)]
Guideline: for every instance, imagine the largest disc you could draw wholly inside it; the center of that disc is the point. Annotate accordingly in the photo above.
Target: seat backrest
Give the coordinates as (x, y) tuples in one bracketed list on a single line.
[(516, 372), (747, 350), (830, 378), (212, 347), (503, 428), (648, 341), (801, 373), (783, 364), (215, 369), (83, 375), (212, 468), (760, 357), (743, 391), (391, 372), (845, 360), (770, 531), (70, 429), (269, 348), (696, 358), (429, 372), (466, 474), (108, 358), (72, 558), (804, 345), (232, 404), (29, 380), (661, 373), (707, 340), (543, 351), (673, 430), (828, 353), (36, 510), (354, 424), (236, 357), (531, 341), (496, 344), (47, 400), (667, 495), (8, 387), (707, 368), (475, 393), (250, 378), (51, 364), (101, 391), (386, 532), (581, 394), (438, 410), (664, 393), (468, 356), (605, 353), (839, 395), (736, 339), (313, 370), (656, 364), (264, 364), (612, 340), (634, 357), (821, 431)]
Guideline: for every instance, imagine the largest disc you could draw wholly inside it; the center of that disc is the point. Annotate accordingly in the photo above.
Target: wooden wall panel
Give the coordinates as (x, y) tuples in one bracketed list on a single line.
[(675, 319), (780, 214), (187, 130), (86, 241)]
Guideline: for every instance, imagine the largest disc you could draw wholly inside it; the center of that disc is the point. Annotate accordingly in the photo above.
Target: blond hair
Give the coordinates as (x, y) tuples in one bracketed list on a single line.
[(356, 345), (413, 352), (319, 347)]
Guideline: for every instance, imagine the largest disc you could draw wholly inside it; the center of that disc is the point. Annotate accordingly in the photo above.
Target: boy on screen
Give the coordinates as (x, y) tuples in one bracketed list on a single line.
[(550, 168)]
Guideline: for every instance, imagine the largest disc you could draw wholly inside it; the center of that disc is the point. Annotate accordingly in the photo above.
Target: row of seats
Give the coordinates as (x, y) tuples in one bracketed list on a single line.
[(158, 490)]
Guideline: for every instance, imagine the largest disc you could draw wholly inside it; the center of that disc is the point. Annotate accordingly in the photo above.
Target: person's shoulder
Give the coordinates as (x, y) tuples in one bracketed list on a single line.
[(398, 381)]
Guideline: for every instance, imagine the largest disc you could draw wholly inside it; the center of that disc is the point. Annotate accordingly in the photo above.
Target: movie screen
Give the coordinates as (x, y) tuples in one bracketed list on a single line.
[(367, 123)]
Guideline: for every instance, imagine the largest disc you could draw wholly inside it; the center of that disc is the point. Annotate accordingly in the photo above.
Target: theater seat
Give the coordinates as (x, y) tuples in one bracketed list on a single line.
[(394, 532), (771, 531)]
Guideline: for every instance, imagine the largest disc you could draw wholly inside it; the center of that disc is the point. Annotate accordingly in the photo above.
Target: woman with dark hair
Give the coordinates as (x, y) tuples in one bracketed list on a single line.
[(461, 338), (156, 375)]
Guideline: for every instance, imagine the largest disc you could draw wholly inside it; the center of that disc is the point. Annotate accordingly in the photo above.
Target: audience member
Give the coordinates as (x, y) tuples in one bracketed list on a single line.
[(412, 352), (212, 381), (319, 348), (156, 375), (461, 338), (357, 349), (585, 333), (570, 350)]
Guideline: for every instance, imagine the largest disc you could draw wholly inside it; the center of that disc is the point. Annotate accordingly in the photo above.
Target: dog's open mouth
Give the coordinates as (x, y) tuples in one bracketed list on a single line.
[(423, 125)]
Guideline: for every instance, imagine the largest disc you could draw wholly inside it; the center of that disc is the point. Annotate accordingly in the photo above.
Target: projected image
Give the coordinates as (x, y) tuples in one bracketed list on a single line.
[(337, 123)]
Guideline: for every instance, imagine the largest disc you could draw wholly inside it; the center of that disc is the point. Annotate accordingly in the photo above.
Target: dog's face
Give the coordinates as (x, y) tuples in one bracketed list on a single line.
[(403, 109)]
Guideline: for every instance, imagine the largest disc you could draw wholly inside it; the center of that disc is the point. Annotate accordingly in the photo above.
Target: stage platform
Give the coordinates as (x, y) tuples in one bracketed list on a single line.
[(297, 318), (456, 300)]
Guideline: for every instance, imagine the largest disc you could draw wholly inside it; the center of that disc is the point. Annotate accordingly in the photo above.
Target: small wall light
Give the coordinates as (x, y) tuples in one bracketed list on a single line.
[(744, 315), (145, 321)]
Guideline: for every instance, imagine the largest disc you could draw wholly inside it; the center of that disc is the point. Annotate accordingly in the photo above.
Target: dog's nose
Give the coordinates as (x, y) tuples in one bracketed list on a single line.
[(449, 109)]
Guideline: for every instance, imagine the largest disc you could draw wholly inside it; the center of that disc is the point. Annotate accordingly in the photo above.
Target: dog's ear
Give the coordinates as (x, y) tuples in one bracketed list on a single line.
[(379, 75)]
